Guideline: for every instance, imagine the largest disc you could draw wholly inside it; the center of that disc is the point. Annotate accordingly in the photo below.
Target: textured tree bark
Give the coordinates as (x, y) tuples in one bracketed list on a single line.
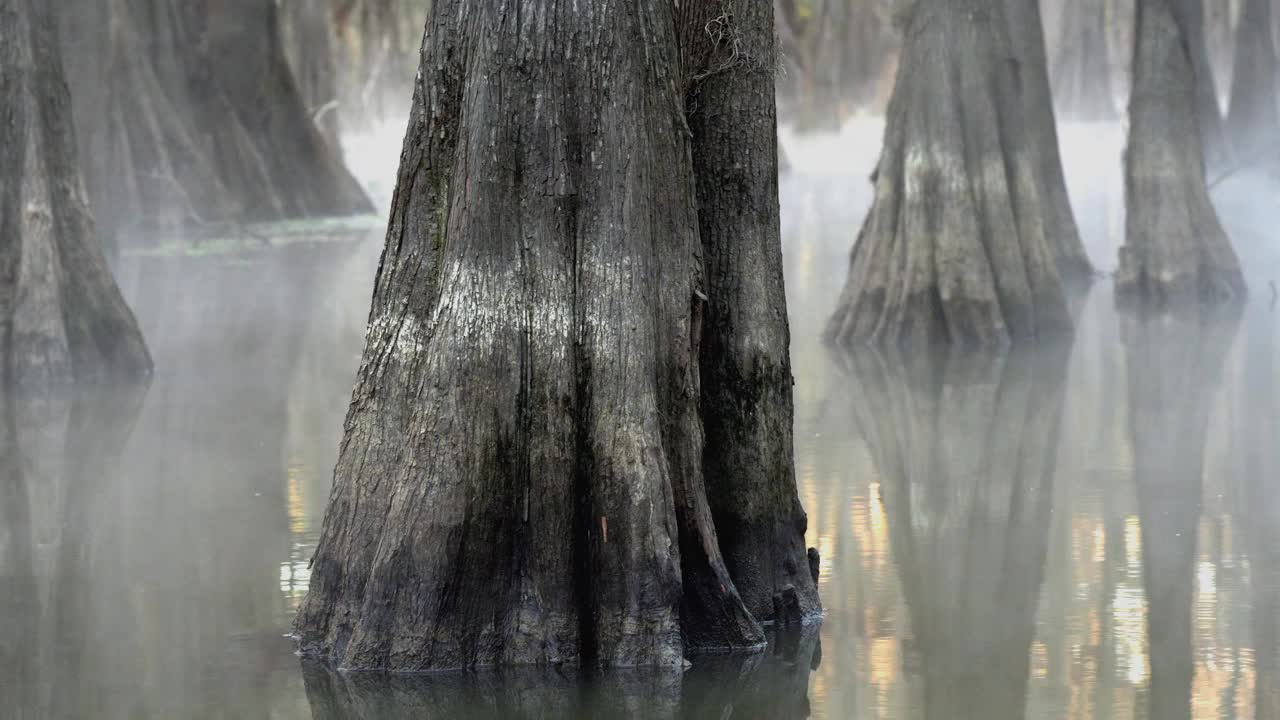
[(1253, 119), (1175, 249), (191, 115), (62, 318), (1175, 366), (1081, 70), (521, 480), (966, 446), (745, 348), (956, 247)]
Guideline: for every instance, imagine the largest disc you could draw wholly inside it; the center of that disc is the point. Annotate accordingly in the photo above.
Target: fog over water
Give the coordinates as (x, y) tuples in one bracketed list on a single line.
[(1083, 530)]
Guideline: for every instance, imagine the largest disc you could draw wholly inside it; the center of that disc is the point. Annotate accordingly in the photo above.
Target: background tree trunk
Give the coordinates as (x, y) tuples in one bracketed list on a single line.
[(1175, 247), (1081, 67), (1190, 16), (377, 50), (62, 317), (955, 247), (746, 341), (196, 117), (1254, 118), (521, 480), (306, 29)]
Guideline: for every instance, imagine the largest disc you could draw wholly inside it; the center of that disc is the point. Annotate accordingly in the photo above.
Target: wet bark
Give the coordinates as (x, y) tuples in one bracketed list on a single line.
[(1082, 88), (1176, 249), (62, 318), (745, 359), (1253, 119), (957, 247), (966, 446), (521, 479), (191, 115)]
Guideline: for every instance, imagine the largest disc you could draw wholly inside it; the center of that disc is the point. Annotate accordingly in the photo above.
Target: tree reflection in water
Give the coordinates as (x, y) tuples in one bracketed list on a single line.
[(966, 446), (1175, 363), (769, 686), (59, 457)]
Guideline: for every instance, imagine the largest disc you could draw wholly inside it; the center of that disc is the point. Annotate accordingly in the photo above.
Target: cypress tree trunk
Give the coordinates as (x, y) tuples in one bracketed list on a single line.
[(521, 479), (956, 247), (1175, 247), (62, 317), (745, 350), (1253, 120), (306, 31), (193, 116), (1081, 70)]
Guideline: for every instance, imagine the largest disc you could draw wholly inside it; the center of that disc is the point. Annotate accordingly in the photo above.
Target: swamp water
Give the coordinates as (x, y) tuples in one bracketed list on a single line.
[(1080, 531)]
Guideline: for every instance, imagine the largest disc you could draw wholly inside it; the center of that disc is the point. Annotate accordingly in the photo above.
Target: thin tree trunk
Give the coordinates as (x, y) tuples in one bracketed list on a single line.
[(1081, 69), (1254, 118), (521, 480), (956, 247), (1175, 248), (62, 318)]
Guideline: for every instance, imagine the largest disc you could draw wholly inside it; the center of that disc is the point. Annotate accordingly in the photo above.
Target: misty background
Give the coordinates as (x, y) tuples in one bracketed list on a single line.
[(1088, 532)]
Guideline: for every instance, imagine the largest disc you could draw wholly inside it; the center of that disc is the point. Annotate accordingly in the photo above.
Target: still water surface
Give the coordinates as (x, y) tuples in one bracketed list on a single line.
[(1081, 531)]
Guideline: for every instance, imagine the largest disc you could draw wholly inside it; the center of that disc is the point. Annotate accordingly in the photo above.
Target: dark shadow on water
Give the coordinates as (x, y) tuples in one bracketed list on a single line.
[(769, 686)]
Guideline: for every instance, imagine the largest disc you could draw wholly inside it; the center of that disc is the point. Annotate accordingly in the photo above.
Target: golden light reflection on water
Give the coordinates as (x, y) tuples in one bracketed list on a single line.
[(295, 573), (1089, 656)]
